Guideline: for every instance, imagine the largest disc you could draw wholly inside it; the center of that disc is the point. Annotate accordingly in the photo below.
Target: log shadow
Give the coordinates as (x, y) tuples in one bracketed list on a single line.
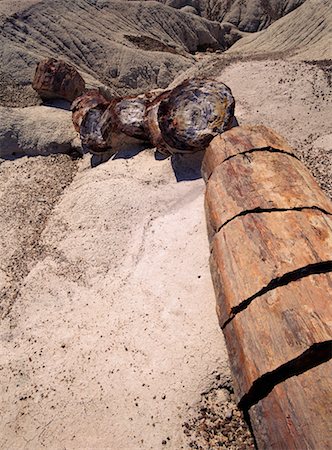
[(57, 103), (130, 151), (187, 167)]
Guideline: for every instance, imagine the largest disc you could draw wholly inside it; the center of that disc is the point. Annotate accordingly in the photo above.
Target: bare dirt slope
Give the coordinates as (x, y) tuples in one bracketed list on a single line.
[(130, 46), (305, 33), (247, 15)]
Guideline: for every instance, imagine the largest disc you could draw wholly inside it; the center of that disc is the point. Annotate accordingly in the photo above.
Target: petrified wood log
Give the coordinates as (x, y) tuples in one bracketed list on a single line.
[(57, 79), (90, 99), (129, 116), (96, 129), (270, 229), (186, 118), (261, 180), (104, 123)]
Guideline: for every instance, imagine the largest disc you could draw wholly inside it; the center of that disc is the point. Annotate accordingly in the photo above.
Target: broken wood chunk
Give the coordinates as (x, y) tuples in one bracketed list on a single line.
[(278, 327), (56, 79), (129, 116), (90, 99), (152, 125), (259, 251), (297, 413), (260, 180), (239, 140), (185, 119), (96, 129)]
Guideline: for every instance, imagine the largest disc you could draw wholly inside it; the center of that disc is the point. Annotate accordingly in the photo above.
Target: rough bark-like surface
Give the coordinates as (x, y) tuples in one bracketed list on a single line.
[(275, 329), (239, 140), (270, 229), (270, 418), (257, 249), (263, 180), (57, 79)]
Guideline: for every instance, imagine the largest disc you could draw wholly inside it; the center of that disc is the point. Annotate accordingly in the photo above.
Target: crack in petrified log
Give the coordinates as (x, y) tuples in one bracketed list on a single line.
[(271, 210), (272, 278), (253, 150), (238, 140), (317, 354), (265, 180), (294, 275)]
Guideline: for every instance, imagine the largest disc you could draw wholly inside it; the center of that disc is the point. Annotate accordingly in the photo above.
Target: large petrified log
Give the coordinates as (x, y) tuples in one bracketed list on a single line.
[(270, 230), (181, 120), (56, 79), (186, 118)]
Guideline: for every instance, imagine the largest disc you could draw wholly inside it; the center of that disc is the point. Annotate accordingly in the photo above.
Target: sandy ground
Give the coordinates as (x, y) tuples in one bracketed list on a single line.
[(109, 337), (112, 335)]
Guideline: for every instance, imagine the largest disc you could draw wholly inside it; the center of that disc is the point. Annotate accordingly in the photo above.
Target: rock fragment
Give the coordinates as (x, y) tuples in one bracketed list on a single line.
[(55, 79)]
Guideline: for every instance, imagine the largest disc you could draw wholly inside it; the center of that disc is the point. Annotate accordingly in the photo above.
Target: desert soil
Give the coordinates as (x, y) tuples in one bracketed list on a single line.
[(109, 337)]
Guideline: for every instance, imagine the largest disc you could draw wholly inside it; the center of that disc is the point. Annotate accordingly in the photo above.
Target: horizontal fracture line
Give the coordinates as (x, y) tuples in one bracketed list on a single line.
[(253, 150), (283, 280), (260, 210), (315, 355)]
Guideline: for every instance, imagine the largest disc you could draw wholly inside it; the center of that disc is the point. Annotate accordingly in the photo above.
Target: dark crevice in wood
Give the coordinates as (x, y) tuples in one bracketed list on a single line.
[(297, 274), (315, 355), (271, 210), (253, 150)]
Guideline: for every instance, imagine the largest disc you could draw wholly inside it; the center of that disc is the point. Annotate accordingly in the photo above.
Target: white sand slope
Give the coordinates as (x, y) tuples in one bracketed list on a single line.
[(113, 335)]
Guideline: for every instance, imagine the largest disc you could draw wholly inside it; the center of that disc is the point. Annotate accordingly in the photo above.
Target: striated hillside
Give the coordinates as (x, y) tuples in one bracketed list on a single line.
[(247, 15), (128, 46), (305, 33)]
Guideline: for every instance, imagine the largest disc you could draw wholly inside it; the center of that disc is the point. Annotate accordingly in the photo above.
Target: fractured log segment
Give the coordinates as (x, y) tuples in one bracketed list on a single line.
[(284, 419), (278, 327), (239, 140), (81, 105), (185, 119), (129, 116), (57, 79), (97, 128), (262, 251), (260, 180), (151, 124)]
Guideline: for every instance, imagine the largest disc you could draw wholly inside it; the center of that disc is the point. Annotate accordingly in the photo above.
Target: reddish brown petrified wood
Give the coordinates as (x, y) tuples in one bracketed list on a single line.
[(277, 328), (297, 413), (239, 140), (270, 230), (261, 180), (256, 250)]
